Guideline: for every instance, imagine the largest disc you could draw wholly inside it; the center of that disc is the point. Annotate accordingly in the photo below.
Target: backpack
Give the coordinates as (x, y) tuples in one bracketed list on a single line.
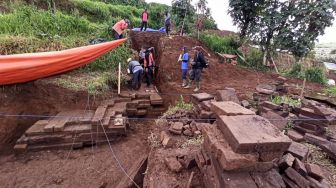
[(203, 61)]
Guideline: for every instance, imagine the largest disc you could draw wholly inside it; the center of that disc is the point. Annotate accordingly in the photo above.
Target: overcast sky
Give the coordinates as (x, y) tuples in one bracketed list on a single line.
[(219, 12)]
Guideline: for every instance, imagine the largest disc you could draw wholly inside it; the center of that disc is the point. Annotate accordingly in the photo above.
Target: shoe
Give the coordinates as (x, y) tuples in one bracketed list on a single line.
[(184, 84), (189, 85), (198, 87)]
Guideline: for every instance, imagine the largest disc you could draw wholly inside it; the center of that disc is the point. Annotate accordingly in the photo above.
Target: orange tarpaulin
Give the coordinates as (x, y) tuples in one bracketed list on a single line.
[(27, 67)]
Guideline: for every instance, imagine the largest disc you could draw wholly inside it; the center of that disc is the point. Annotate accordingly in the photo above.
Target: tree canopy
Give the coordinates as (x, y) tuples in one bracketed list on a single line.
[(291, 25)]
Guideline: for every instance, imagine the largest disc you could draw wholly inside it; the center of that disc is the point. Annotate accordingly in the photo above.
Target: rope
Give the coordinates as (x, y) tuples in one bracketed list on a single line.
[(115, 157)]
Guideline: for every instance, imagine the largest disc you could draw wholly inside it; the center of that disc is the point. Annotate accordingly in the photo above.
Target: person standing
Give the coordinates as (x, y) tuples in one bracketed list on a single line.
[(135, 69), (142, 55), (144, 18), (184, 59), (149, 65), (167, 22), (198, 64), (119, 28)]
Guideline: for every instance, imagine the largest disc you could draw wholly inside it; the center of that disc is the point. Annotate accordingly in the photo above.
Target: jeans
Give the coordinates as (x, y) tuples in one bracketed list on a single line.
[(142, 25), (167, 29), (184, 74), (117, 36), (136, 79)]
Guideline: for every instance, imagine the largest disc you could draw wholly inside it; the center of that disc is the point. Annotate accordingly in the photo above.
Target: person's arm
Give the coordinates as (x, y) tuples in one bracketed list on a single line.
[(129, 68)]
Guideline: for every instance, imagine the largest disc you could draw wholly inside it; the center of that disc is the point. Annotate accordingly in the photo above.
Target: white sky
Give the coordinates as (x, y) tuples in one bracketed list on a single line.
[(219, 9)]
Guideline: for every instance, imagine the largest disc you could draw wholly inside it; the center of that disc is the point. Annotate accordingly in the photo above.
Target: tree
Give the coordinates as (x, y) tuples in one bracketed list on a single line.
[(293, 25), (183, 12)]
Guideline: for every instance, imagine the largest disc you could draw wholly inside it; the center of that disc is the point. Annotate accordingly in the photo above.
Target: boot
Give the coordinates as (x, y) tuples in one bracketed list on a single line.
[(189, 85), (184, 84), (198, 86)]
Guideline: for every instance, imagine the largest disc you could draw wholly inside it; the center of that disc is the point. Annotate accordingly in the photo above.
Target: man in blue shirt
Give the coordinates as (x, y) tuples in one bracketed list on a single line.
[(184, 59), (136, 70)]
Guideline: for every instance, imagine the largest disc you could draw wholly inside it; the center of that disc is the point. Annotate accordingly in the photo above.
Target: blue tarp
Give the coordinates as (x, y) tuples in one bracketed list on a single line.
[(161, 30)]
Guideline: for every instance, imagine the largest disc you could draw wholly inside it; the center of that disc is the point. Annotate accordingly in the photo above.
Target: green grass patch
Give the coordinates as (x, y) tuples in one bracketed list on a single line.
[(313, 74), (180, 105), (330, 91), (286, 100), (226, 45)]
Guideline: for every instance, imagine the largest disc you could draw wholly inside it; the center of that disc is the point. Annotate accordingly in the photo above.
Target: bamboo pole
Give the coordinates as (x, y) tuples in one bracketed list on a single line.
[(119, 74)]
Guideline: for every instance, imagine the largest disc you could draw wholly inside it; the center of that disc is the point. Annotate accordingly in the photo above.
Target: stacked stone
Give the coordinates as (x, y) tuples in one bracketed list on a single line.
[(144, 104), (201, 103), (238, 147)]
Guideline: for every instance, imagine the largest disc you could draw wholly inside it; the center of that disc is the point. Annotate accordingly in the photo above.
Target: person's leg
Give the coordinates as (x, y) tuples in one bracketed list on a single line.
[(121, 36), (150, 75), (134, 80), (146, 25), (142, 25), (116, 35), (198, 73), (191, 79), (139, 79), (184, 77)]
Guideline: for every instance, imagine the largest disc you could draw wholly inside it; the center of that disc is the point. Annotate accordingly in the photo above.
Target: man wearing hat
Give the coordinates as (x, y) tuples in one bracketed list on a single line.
[(136, 70), (119, 28)]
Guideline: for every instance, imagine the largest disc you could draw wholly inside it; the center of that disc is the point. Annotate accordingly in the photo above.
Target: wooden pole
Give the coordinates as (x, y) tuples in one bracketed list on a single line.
[(119, 74)]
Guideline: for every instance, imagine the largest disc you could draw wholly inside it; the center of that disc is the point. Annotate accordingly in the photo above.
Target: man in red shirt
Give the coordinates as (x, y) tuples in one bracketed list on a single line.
[(119, 28), (144, 18)]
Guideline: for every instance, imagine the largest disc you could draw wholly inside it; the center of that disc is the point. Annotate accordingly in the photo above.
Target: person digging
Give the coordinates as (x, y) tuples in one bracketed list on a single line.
[(136, 70), (197, 66)]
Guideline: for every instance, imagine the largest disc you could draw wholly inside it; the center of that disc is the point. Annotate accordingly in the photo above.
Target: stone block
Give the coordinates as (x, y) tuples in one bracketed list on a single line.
[(188, 132), (289, 183), (276, 119), (298, 150), (314, 171), (215, 144), (229, 108), (286, 161), (270, 156), (270, 105), (270, 179), (300, 167), (37, 128), (200, 160), (20, 148), (173, 164), (245, 104), (200, 97), (266, 89), (295, 136), (99, 115), (206, 105), (238, 179), (227, 95), (252, 133), (297, 178), (176, 128)]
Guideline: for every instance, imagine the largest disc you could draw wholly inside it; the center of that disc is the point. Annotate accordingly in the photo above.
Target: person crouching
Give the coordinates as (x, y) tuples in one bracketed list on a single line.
[(136, 70)]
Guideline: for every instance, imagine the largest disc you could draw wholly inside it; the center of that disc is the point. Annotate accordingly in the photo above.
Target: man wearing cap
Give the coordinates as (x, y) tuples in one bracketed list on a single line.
[(119, 28), (136, 70)]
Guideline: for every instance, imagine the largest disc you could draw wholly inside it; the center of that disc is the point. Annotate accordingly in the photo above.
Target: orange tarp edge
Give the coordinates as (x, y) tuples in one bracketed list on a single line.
[(27, 67)]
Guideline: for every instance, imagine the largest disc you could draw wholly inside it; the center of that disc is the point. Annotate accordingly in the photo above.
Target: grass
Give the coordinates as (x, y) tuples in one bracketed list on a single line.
[(313, 74), (290, 125), (226, 45), (317, 156), (286, 100), (195, 141), (180, 105), (330, 91)]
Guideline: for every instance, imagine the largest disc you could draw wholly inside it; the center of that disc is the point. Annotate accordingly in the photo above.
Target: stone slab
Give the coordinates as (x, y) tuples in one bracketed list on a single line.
[(314, 171), (57, 123), (270, 179), (297, 178), (238, 180), (216, 145), (295, 136), (277, 120), (252, 133), (227, 95), (298, 150), (99, 114), (173, 164), (229, 108), (37, 128), (202, 97)]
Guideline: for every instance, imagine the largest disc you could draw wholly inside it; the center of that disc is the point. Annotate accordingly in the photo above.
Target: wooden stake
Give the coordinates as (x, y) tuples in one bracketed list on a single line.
[(303, 87), (190, 179), (119, 74)]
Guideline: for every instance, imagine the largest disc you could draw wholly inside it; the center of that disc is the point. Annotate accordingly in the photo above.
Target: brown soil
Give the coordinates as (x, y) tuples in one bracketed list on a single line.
[(83, 168), (87, 169)]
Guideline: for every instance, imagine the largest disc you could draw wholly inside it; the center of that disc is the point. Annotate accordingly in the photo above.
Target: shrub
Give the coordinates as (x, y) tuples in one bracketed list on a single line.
[(315, 74), (296, 71), (228, 45), (254, 59), (330, 91)]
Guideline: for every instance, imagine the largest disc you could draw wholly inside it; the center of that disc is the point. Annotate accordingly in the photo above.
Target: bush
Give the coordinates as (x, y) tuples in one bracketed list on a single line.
[(330, 91), (227, 45), (296, 71), (254, 59), (315, 74)]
